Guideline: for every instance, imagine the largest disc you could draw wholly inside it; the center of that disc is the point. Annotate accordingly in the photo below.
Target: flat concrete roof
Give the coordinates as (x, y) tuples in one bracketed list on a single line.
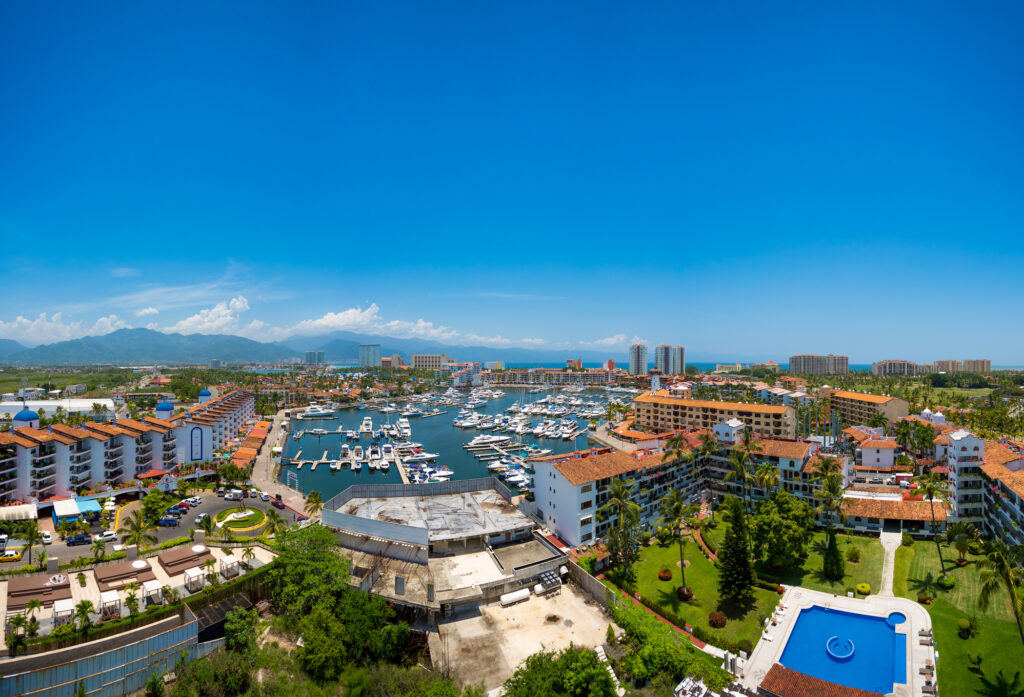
[(446, 516), (518, 555)]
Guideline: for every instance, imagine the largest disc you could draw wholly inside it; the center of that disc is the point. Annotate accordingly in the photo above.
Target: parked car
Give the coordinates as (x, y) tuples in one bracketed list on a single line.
[(107, 536), (278, 503), (875, 480), (264, 496), (169, 522), (79, 539), (220, 491), (194, 501), (3, 540), (10, 555), (253, 493), (47, 537), (201, 517)]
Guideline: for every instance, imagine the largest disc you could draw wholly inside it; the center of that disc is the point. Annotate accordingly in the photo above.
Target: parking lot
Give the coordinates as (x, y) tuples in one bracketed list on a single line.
[(211, 505)]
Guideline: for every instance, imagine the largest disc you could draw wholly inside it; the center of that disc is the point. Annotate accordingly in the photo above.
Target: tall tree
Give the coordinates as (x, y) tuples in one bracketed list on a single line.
[(675, 513), (32, 537), (735, 571), (135, 530), (933, 489), (314, 504), (1002, 569), (620, 502)]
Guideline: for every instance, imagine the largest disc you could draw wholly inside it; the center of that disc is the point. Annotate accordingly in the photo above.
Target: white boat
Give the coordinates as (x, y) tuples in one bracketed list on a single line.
[(315, 411), (335, 465), (358, 453), (403, 428), (420, 457), (352, 435), (373, 464), (389, 409), (384, 465), (345, 452), (366, 426), (356, 465)]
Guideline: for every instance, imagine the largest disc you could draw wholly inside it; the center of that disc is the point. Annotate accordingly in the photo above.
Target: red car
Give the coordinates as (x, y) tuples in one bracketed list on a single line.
[(277, 504)]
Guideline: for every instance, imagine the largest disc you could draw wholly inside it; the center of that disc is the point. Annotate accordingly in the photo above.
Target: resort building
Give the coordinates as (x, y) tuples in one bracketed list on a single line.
[(224, 416), (894, 367), (812, 364), (977, 365), (965, 457), (670, 359), (637, 359), (658, 411), (857, 407), (314, 357), (949, 366), (428, 361), (369, 355), (1003, 474)]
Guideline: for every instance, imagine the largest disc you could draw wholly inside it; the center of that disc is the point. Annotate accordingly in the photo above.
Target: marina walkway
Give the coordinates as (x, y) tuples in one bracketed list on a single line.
[(263, 469)]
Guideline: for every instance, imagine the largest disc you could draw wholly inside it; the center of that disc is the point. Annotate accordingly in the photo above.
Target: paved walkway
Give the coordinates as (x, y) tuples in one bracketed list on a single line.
[(263, 469), (891, 541)]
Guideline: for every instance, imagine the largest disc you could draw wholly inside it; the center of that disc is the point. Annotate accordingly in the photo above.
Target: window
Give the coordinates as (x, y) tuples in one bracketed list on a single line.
[(586, 537), (585, 505), (585, 488), (587, 521)]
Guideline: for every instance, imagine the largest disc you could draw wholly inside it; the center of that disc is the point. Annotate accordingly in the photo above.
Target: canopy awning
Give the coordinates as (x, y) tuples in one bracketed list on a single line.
[(151, 473), (23, 511), (229, 560), (88, 505), (194, 572), (151, 587), (65, 508), (63, 606), (109, 598)]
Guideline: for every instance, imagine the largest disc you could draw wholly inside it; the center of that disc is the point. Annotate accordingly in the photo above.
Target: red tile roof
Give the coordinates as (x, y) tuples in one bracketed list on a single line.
[(894, 509), (783, 682)]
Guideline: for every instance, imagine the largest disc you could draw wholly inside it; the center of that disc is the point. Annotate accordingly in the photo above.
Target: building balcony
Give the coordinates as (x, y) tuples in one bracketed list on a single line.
[(140, 460), (115, 447), (44, 457), (170, 447), (80, 479), (78, 469), (9, 485), (42, 492), (143, 448), (170, 438), (81, 456), (169, 456), (44, 481), (44, 471), (113, 473), (8, 458)]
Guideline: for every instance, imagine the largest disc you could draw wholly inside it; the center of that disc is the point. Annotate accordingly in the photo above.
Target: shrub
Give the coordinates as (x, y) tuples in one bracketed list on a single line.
[(924, 597), (664, 534), (717, 619), (609, 636), (853, 554), (976, 547), (864, 588), (908, 539), (747, 645), (946, 582), (684, 594), (964, 626), (645, 538), (664, 574)]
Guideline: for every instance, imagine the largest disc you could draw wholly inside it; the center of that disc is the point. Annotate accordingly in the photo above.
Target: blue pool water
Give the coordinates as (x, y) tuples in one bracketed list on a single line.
[(848, 649)]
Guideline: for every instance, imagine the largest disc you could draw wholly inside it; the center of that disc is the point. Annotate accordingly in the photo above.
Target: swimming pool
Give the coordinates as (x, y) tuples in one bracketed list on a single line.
[(848, 648)]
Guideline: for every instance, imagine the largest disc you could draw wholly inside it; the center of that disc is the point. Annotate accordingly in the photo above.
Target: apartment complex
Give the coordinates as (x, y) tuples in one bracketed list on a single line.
[(369, 355), (895, 367), (1003, 473), (670, 360), (857, 408), (429, 361), (812, 364), (637, 359), (658, 411), (224, 416), (977, 365), (949, 366), (314, 358)]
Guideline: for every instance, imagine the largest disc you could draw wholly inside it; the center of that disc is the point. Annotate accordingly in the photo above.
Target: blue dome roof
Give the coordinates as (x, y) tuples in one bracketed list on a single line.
[(26, 415), (165, 406), (205, 393)]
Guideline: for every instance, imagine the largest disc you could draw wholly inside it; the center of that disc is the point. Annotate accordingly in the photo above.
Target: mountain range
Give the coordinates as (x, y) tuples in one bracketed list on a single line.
[(146, 346)]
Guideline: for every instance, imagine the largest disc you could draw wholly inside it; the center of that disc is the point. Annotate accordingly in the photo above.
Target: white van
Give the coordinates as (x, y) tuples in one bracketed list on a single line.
[(234, 495)]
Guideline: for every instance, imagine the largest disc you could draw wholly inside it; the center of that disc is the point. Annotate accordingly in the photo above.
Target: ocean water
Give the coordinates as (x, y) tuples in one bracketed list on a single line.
[(436, 433)]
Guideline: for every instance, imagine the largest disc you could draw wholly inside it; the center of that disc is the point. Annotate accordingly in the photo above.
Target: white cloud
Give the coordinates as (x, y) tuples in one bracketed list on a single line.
[(124, 272), (493, 340), (221, 318), (46, 329), (533, 340), (614, 340), (369, 321), (146, 311)]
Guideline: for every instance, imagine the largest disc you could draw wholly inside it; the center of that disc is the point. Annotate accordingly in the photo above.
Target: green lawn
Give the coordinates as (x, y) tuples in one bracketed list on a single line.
[(809, 573), (917, 569), (702, 578), (255, 517)]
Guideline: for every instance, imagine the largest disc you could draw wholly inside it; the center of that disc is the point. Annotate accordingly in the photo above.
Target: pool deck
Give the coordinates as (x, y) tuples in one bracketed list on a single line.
[(769, 652)]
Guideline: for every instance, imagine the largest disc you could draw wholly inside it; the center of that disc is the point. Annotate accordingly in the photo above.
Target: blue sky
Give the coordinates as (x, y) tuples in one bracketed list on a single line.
[(749, 180)]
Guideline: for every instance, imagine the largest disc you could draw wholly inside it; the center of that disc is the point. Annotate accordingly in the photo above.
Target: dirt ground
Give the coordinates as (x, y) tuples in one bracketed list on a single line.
[(489, 645)]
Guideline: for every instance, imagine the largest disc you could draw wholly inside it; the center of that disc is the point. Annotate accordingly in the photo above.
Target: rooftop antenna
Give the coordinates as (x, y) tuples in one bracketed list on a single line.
[(24, 391)]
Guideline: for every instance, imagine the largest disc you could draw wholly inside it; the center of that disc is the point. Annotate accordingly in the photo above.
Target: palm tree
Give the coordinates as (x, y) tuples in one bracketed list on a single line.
[(742, 472), (248, 554), (904, 434), (829, 492), (1000, 686), (877, 420), (210, 567), (933, 489), (960, 535), (136, 531), (99, 549), (208, 526), (767, 476), (82, 612), (314, 504), (1001, 569), (32, 537), (620, 502), (32, 606), (131, 600), (675, 511), (275, 523)]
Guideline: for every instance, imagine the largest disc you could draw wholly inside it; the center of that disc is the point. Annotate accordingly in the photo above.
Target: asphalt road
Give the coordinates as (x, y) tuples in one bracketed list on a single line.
[(211, 504)]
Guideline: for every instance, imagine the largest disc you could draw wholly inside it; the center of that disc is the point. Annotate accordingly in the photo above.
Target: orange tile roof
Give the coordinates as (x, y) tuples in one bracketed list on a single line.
[(861, 396), (40, 435), (590, 469), (894, 509), (785, 682), (72, 432), (160, 422), (811, 466), (880, 444), (10, 438), (778, 447), (997, 456), (663, 397)]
